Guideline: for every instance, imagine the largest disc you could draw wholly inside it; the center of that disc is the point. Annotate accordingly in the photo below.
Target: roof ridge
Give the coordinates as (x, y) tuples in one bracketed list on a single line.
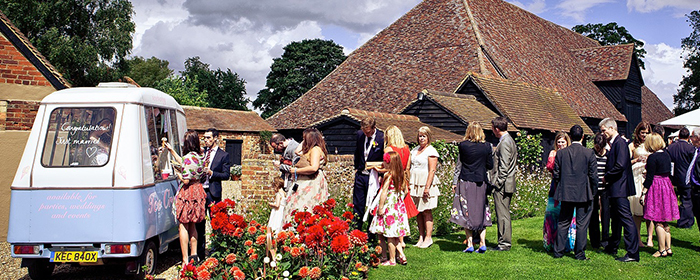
[(214, 109)]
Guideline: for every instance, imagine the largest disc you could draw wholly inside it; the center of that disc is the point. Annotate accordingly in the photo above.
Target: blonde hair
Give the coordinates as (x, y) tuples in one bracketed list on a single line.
[(654, 142), (560, 135), (425, 130), (397, 172), (475, 133), (393, 137)]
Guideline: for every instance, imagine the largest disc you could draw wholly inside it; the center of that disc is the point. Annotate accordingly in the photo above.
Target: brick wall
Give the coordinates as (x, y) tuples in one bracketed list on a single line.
[(259, 171), (251, 143), (17, 114), (16, 69)]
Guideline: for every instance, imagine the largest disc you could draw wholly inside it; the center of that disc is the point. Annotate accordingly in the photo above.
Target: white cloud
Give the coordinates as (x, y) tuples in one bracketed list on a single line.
[(535, 7), (576, 9), (646, 6), (664, 71)]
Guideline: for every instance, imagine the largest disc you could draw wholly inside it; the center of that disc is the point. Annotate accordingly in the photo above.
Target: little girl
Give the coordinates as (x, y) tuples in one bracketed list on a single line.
[(391, 220), (274, 225)]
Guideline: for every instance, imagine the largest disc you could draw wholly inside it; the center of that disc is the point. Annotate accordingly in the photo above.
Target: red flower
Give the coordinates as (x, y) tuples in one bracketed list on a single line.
[(238, 221), (231, 258), (344, 278), (358, 265), (250, 251), (337, 227), (248, 243), (315, 273), (238, 232), (330, 204), (340, 244), (348, 215), (287, 226), (286, 248), (304, 272), (350, 205), (315, 236), (253, 257), (260, 240), (189, 271), (358, 237), (301, 216), (218, 221)]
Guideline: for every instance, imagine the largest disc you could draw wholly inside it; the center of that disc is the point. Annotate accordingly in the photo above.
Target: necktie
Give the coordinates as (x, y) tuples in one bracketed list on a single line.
[(367, 143), (690, 168), (206, 162)]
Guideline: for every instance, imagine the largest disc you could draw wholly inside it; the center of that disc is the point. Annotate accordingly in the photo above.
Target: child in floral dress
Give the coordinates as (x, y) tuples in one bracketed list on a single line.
[(391, 220)]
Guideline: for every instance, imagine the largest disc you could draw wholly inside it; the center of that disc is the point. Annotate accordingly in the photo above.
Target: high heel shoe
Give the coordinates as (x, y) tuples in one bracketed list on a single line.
[(669, 252), (661, 254)]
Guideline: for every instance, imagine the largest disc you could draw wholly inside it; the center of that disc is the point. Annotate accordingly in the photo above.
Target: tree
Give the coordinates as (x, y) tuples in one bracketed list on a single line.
[(688, 97), (224, 89), (148, 72), (183, 90), (302, 65), (86, 40), (612, 34)]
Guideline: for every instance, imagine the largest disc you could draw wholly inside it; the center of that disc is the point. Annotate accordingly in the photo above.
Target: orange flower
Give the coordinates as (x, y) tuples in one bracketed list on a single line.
[(260, 240), (286, 248), (211, 263), (252, 229), (378, 249), (358, 265), (239, 275), (203, 275), (364, 249), (295, 252), (304, 272), (248, 243), (254, 257), (238, 232), (250, 251), (231, 258), (315, 273)]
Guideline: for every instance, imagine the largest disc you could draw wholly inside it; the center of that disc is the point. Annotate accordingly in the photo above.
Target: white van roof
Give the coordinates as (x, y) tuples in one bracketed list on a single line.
[(91, 95)]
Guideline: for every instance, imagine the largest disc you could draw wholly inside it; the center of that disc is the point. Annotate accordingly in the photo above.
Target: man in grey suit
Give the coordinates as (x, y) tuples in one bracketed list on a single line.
[(576, 177), (502, 178), (286, 147)]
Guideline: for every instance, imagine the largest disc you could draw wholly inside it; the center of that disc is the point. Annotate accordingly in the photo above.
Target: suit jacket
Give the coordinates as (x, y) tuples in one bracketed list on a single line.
[(221, 170), (376, 152), (505, 158), (618, 170), (681, 153), (575, 173)]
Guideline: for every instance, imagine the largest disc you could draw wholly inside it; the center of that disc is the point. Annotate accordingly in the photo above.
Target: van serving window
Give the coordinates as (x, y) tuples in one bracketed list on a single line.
[(162, 127), (78, 137)]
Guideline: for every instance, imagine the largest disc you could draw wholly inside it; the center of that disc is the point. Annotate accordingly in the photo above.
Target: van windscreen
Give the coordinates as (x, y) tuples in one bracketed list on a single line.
[(78, 137)]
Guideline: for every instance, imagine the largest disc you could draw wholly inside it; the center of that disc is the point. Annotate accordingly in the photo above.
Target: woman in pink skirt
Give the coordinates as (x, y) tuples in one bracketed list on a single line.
[(658, 197)]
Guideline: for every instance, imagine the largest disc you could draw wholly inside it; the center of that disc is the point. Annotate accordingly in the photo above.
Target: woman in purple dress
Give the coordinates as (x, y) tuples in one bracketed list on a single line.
[(658, 197)]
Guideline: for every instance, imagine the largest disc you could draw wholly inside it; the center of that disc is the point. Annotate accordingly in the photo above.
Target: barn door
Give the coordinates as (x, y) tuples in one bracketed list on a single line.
[(234, 149)]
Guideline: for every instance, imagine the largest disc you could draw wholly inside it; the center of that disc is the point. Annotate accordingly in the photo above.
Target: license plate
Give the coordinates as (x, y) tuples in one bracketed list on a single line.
[(68, 256)]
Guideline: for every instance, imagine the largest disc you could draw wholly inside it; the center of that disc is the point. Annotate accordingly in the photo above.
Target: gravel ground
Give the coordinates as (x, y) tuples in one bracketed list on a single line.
[(166, 269)]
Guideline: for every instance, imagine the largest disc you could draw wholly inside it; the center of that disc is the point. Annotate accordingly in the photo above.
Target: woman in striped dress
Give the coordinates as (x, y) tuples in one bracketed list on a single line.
[(601, 206)]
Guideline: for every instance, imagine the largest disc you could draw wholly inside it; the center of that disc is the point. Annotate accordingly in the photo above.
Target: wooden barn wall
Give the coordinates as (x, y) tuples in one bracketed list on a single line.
[(340, 136), (430, 113), (633, 97), (614, 91)]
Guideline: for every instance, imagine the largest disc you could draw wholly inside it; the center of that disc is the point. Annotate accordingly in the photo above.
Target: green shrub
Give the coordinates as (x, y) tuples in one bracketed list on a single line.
[(529, 150)]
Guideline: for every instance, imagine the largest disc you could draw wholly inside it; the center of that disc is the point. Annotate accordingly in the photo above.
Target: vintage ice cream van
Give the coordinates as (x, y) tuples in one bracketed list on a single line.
[(94, 186)]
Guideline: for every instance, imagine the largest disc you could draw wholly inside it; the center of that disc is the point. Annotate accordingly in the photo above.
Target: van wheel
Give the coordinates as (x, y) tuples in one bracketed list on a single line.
[(147, 260), (41, 269)]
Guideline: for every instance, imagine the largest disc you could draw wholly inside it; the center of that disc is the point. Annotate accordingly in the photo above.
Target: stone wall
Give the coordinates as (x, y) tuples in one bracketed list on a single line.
[(17, 114), (259, 171)]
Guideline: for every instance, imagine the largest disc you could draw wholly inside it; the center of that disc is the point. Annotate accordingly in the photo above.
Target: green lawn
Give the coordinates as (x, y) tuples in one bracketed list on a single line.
[(528, 260)]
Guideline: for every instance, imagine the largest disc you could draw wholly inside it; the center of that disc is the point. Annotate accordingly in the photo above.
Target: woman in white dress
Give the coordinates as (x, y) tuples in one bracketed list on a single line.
[(424, 185), (639, 161)]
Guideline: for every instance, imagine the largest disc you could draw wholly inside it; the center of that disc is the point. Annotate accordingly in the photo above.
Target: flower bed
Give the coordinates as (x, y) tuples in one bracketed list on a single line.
[(315, 245)]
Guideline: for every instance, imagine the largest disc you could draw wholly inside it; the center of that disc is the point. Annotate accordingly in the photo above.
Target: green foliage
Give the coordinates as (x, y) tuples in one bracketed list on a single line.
[(86, 40), (302, 65), (224, 89), (148, 72), (688, 97), (184, 91), (529, 150), (530, 198), (236, 170), (612, 34)]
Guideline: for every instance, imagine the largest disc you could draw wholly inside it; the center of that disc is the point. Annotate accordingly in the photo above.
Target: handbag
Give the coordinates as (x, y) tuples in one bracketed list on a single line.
[(411, 209)]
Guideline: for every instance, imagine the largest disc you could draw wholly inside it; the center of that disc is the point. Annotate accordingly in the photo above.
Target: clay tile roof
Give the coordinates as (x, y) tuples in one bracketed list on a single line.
[(529, 106), (23, 45), (200, 118), (606, 63), (436, 44), (653, 110), (466, 107), (406, 123)]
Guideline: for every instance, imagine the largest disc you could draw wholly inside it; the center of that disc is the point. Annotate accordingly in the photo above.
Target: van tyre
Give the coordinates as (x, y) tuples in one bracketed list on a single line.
[(41, 269), (148, 260)]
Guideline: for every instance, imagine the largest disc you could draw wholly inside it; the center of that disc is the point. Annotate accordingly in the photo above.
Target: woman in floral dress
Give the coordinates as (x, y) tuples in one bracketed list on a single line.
[(390, 219), (191, 198), (310, 187)]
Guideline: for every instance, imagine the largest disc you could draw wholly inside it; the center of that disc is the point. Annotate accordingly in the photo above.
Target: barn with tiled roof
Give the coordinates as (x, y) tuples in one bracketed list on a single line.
[(439, 43)]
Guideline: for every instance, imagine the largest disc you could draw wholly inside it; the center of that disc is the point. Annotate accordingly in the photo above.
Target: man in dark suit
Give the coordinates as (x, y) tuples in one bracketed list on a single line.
[(217, 167), (576, 176), (681, 152), (692, 178), (618, 176), (502, 178), (369, 147)]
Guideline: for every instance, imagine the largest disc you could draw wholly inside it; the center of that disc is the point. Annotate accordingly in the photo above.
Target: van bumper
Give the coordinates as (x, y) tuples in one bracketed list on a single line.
[(46, 251)]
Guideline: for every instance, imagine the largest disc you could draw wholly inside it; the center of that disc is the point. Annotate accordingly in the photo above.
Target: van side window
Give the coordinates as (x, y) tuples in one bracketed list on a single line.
[(78, 137), (162, 127)]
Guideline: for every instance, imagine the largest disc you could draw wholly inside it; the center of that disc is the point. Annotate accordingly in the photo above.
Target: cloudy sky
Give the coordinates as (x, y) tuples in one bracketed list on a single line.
[(246, 35)]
